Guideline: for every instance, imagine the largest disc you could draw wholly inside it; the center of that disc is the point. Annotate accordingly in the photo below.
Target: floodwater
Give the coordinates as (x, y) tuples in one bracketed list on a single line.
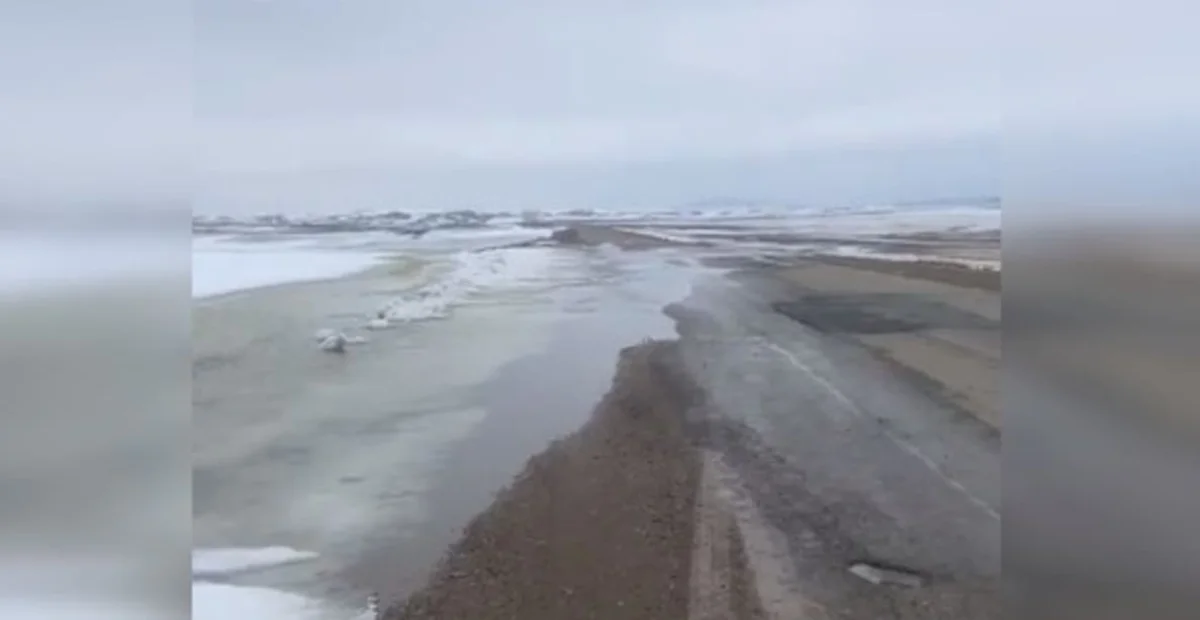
[(368, 464)]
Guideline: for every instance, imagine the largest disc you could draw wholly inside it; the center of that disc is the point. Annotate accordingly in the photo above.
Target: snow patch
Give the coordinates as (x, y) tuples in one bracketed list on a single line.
[(473, 273), (860, 252), (222, 601), (661, 236), (378, 323), (208, 562), (220, 266), (215, 601), (334, 344)]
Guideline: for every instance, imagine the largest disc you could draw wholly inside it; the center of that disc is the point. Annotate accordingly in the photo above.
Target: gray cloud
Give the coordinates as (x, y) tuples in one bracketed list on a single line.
[(282, 101), (521, 98), (548, 81)]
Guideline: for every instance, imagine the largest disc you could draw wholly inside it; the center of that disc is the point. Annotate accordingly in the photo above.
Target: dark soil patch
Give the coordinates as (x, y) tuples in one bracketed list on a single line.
[(877, 313), (955, 274)]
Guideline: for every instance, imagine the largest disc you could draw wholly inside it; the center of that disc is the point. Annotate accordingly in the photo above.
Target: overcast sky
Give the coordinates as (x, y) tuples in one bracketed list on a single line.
[(253, 105)]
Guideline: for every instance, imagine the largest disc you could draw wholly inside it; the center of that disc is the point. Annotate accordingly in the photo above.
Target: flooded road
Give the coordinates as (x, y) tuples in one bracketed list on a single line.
[(329, 476), (369, 463)]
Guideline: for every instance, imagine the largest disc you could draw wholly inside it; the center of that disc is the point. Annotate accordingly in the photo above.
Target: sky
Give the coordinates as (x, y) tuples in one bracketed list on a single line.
[(252, 105)]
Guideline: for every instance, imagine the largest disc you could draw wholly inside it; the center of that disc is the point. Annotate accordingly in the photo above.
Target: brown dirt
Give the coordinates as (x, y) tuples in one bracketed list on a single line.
[(937, 325), (744, 595), (590, 235), (937, 271), (600, 525)]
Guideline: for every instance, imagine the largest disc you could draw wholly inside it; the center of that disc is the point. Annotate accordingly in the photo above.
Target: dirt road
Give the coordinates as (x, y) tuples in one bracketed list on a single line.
[(807, 418), (597, 526)]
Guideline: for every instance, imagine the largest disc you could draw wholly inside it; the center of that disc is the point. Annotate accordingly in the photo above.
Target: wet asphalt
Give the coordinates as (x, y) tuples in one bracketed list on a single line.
[(844, 457)]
